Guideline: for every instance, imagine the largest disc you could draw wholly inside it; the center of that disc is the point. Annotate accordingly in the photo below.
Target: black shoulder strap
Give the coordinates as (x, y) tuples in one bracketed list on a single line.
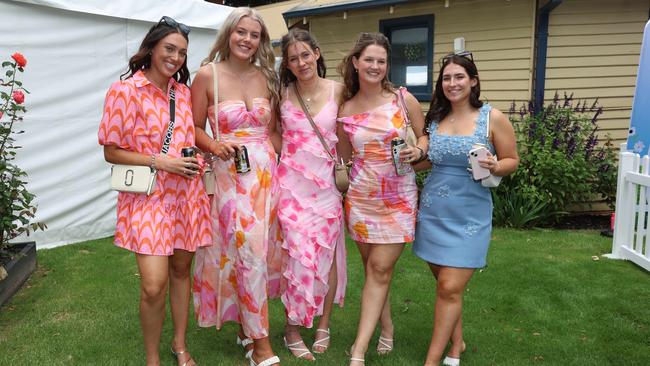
[(172, 118)]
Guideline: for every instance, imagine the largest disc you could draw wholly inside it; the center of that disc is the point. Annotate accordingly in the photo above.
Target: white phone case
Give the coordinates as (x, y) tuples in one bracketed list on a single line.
[(476, 154)]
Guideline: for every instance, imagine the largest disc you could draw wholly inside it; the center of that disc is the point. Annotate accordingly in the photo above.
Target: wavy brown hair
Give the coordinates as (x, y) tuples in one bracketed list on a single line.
[(142, 59), (264, 59), (298, 35), (440, 106), (347, 70)]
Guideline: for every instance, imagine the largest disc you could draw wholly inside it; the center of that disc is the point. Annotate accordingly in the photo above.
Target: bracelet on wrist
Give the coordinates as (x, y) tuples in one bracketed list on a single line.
[(422, 155), (152, 163)]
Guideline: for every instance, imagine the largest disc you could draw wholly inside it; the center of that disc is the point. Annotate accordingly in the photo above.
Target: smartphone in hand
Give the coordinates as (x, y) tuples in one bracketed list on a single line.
[(476, 154)]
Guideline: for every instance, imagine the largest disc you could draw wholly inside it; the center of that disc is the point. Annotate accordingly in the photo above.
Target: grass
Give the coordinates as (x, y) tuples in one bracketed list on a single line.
[(542, 300)]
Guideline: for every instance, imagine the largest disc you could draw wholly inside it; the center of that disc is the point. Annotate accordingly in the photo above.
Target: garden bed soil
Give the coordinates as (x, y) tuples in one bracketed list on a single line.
[(583, 221), (17, 267)]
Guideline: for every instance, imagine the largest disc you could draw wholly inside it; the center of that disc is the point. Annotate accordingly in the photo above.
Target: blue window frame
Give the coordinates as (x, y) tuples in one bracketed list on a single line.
[(411, 61)]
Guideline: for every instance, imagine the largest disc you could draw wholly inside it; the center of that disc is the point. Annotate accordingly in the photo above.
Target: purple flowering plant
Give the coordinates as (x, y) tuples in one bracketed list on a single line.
[(565, 164)]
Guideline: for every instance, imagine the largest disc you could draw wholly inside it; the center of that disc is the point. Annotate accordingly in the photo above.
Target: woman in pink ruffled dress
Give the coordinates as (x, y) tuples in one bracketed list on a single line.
[(310, 210), (234, 279)]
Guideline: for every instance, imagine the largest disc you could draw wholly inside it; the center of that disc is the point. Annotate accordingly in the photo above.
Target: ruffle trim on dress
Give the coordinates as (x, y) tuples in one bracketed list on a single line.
[(307, 174), (153, 224), (302, 141), (297, 235)]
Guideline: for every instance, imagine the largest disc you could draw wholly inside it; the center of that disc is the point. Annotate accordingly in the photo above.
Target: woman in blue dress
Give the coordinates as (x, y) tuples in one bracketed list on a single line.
[(455, 218)]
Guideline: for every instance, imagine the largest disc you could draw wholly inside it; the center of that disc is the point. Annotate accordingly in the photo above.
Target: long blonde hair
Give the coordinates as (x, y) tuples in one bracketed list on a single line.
[(264, 58)]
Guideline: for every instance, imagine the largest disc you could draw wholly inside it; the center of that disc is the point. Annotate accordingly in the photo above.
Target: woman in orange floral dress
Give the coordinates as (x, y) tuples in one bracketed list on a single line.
[(380, 205), (165, 228)]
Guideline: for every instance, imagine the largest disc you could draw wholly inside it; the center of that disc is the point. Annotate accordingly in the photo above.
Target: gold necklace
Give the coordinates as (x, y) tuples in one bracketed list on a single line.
[(308, 99)]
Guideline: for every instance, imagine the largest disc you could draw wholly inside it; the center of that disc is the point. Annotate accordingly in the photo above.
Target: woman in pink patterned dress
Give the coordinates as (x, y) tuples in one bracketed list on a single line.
[(310, 210), (165, 228), (380, 205), (234, 279)]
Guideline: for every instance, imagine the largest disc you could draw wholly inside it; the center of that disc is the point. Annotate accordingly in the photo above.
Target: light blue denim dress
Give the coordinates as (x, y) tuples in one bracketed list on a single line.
[(454, 223)]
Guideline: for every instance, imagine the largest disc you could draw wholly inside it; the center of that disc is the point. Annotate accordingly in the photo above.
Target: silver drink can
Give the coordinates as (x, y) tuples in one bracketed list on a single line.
[(242, 165), (188, 152), (396, 146)]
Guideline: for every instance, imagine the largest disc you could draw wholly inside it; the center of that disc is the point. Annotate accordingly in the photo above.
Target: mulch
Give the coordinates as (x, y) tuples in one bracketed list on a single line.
[(583, 221)]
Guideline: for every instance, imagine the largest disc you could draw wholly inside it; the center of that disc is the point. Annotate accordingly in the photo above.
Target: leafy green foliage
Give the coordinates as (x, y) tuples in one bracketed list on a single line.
[(17, 210), (561, 164)]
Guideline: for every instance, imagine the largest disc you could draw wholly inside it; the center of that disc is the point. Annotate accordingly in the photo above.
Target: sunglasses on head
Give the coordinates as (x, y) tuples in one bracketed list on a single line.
[(468, 55), (174, 24)]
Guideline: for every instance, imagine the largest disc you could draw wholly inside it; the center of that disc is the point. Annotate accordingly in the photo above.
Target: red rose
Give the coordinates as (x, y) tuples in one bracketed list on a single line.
[(21, 61), (19, 97)]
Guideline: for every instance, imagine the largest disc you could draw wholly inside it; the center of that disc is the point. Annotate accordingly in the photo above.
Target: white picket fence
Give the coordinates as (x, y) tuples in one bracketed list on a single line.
[(631, 231)]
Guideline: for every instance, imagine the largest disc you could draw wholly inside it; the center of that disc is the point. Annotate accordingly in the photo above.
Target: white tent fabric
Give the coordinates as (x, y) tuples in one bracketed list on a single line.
[(75, 50)]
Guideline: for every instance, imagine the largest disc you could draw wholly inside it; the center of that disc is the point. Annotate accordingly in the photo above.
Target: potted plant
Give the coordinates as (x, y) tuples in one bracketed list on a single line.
[(17, 261)]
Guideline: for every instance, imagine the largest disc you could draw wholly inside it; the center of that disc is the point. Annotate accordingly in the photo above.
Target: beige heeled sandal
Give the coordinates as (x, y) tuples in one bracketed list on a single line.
[(355, 359), (384, 345), (179, 353)]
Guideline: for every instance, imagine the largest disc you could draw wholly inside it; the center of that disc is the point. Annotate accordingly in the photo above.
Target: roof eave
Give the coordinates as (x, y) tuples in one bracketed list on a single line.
[(339, 7)]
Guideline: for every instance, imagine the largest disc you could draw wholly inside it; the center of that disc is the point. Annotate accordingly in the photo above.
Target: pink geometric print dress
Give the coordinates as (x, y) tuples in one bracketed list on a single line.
[(234, 278), (177, 214), (380, 205), (310, 213)]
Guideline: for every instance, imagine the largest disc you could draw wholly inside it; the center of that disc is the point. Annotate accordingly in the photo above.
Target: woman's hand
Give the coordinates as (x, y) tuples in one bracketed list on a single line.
[(491, 163), (411, 154), (185, 167), (224, 150)]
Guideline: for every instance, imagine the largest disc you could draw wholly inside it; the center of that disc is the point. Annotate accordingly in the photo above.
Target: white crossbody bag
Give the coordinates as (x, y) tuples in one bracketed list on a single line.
[(208, 175), (140, 178), (493, 180)]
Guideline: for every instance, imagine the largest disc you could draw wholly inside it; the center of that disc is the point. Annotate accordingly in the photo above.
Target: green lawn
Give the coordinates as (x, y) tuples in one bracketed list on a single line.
[(542, 300)]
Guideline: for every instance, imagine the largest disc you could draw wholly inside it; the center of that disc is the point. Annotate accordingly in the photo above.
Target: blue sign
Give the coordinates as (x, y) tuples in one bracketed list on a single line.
[(638, 137)]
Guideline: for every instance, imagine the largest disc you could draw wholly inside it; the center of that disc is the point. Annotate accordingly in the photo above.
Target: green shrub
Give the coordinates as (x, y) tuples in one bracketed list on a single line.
[(561, 164)]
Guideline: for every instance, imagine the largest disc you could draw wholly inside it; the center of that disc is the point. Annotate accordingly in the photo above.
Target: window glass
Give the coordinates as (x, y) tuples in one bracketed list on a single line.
[(409, 56)]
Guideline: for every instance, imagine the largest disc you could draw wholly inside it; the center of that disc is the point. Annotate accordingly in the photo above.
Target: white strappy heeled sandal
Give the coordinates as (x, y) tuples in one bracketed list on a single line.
[(245, 342), (317, 343), (299, 349), (268, 362)]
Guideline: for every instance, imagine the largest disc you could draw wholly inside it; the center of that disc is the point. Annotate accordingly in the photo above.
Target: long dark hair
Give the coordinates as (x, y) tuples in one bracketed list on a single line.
[(142, 59), (440, 106), (298, 35), (346, 67)]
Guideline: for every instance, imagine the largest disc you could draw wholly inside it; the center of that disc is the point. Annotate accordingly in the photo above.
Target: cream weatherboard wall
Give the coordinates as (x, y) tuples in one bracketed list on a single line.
[(499, 33), (593, 51), (593, 47)]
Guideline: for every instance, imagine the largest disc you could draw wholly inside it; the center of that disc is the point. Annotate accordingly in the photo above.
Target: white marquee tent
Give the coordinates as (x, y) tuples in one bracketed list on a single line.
[(75, 49)]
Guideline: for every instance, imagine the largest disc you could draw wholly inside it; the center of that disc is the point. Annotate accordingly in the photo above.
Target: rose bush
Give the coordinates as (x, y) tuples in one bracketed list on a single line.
[(21, 61), (16, 203)]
